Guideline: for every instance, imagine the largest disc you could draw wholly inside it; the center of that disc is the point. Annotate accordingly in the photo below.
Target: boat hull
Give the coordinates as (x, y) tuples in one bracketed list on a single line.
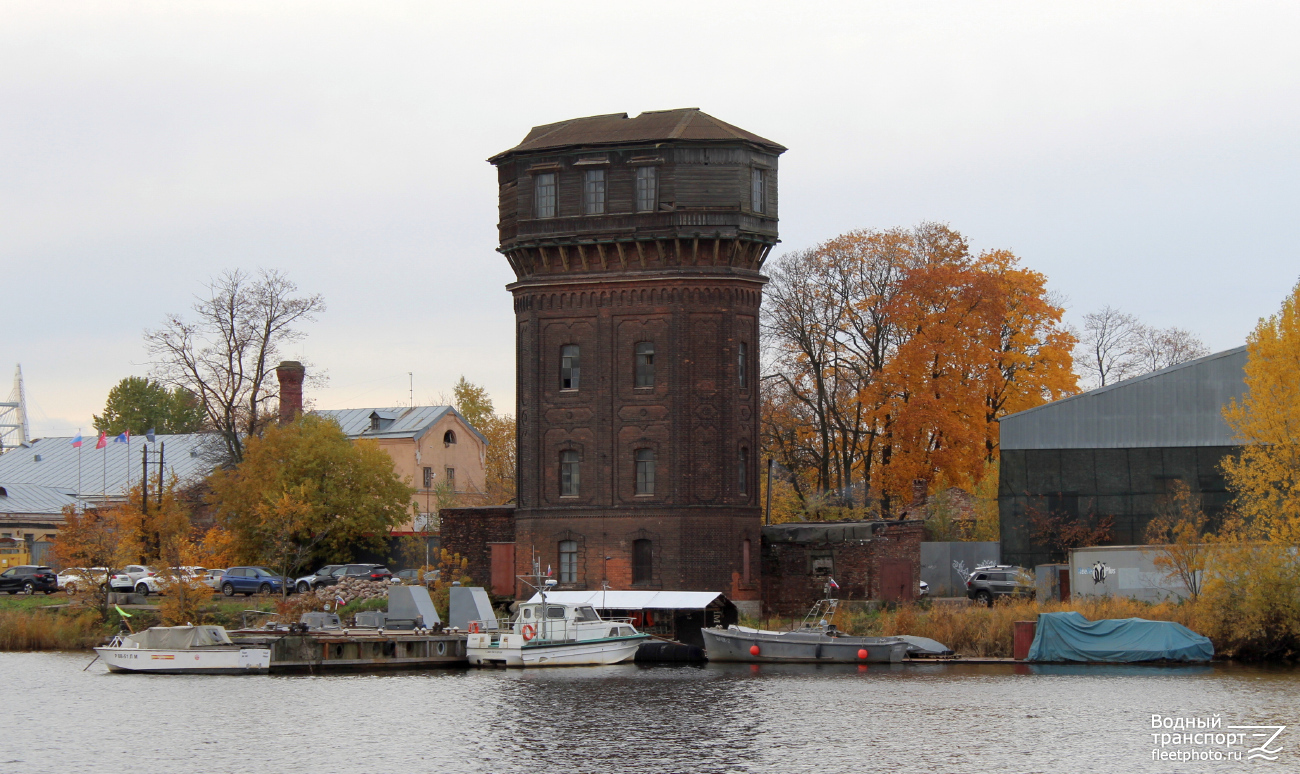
[(735, 644), (208, 661), (511, 651)]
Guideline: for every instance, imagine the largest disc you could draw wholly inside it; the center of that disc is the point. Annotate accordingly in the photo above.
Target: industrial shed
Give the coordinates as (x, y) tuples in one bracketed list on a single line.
[(1117, 450)]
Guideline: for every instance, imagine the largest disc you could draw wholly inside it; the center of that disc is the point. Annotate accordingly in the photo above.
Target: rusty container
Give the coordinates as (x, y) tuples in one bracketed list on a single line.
[(1022, 637)]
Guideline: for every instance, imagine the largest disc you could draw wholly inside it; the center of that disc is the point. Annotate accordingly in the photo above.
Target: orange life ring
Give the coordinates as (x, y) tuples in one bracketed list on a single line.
[(529, 632), (473, 627)]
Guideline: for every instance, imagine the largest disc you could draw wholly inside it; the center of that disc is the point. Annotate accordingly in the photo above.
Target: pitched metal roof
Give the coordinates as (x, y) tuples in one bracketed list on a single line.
[(1181, 405), (681, 124), (17, 499), (54, 462), (395, 422), (633, 600)]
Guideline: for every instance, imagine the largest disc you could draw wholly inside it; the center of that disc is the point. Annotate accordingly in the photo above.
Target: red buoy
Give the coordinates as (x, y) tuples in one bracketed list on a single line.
[(753, 650), (862, 653)]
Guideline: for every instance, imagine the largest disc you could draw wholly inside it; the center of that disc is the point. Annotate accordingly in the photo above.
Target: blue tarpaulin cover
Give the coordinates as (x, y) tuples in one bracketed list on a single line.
[(1071, 637)]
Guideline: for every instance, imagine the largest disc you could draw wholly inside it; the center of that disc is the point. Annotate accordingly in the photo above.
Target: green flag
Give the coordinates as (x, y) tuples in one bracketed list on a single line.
[(122, 612)]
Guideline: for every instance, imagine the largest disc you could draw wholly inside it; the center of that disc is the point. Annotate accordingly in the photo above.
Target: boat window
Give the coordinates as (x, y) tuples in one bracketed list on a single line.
[(555, 612), (528, 612), (613, 632), (585, 614)]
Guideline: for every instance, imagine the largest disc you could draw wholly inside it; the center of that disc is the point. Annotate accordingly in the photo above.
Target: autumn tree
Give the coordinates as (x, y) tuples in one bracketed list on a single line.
[(137, 404), (226, 353), (892, 356), (1179, 528), (474, 404), (304, 493)]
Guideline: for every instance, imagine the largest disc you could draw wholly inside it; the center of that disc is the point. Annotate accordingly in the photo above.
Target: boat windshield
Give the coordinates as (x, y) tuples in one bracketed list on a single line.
[(585, 613)]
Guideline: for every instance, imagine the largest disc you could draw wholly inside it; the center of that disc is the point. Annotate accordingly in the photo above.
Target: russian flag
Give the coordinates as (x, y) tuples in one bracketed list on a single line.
[(833, 584), (77, 440)]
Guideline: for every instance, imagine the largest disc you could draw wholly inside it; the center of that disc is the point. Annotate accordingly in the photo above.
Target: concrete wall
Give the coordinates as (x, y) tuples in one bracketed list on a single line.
[(945, 566), (1130, 571)]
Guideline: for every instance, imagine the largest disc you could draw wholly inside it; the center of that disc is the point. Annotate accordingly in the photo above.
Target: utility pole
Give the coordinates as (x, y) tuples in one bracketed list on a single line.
[(767, 518)]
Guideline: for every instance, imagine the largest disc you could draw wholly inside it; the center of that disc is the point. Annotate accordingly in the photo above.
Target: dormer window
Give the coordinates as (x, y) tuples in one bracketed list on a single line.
[(545, 194), (374, 421)]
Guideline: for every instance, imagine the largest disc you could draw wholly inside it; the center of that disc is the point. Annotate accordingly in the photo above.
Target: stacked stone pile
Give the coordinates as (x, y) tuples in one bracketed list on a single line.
[(352, 589)]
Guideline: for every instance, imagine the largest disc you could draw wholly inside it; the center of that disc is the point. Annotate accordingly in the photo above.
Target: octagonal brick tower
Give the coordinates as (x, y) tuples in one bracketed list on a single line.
[(637, 244)]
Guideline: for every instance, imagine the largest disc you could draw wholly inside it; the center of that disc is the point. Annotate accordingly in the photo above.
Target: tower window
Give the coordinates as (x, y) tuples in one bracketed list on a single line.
[(568, 473), (758, 194), (569, 367), (428, 478), (647, 189), (642, 561), (645, 364), (449, 438), (451, 478), (645, 471), (742, 482), (545, 195), (593, 192), (742, 364), (568, 561)]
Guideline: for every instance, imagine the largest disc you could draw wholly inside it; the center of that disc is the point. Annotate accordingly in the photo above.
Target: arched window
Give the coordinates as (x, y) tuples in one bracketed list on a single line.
[(645, 471), (645, 364), (449, 438), (568, 473), (642, 561), (742, 481), (569, 367), (568, 561)]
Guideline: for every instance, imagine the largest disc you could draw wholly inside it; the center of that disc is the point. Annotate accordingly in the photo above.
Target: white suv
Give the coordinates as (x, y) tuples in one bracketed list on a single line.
[(126, 579)]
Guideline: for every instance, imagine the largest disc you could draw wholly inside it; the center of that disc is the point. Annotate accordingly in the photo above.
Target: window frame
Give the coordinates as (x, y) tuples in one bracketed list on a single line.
[(570, 372), (647, 188), (589, 191), (570, 473), (643, 562), (643, 372), (758, 190), (541, 181), (643, 461), (568, 561)]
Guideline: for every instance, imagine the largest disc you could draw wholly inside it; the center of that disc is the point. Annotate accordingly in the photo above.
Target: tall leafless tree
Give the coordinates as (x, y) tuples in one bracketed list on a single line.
[(1116, 346), (226, 354), (1159, 348)]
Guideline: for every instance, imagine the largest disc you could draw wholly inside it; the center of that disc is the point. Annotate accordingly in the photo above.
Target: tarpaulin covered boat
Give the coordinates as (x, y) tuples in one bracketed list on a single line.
[(1071, 637)]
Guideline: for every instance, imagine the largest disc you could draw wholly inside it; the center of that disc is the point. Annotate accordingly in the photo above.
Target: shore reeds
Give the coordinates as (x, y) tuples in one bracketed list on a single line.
[(52, 630)]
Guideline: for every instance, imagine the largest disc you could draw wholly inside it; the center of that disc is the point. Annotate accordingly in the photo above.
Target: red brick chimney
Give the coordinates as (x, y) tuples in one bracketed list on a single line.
[(290, 373)]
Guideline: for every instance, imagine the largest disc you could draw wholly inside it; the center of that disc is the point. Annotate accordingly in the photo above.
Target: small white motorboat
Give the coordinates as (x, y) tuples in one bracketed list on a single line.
[(180, 650), (551, 634)]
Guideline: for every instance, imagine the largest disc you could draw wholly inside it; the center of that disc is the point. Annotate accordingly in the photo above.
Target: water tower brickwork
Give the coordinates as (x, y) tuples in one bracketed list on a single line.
[(637, 244)]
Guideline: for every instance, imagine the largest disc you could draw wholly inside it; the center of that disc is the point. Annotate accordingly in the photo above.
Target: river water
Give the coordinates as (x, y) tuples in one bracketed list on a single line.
[(58, 719)]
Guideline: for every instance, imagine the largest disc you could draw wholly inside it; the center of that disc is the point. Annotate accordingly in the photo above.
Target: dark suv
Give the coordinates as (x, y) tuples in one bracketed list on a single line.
[(999, 582), (322, 577), (29, 579)]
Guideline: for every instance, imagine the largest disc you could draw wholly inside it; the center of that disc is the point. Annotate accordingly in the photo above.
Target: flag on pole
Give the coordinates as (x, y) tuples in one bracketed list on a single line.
[(123, 438), (122, 612), (548, 571), (76, 441), (833, 584), (148, 435), (338, 603), (103, 440)]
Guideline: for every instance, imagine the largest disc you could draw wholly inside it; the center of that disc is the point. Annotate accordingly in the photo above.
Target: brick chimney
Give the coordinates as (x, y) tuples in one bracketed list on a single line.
[(290, 373)]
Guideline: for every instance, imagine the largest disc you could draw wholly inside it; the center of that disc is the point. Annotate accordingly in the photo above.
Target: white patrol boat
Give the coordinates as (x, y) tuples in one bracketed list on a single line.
[(550, 634), (173, 650)]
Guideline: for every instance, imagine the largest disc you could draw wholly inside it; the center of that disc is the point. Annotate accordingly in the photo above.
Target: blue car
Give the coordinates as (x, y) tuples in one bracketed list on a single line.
[(251, 580)]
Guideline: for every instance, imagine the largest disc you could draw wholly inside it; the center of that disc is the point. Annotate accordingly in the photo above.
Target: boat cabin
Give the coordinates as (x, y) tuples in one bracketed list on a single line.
[(556, 621)]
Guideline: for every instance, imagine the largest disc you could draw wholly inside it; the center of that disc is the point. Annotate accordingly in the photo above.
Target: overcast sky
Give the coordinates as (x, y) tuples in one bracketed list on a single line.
[(1142, 155)]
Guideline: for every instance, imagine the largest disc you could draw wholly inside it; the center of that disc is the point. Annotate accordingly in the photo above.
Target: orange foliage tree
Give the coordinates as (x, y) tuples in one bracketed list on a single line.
[(894, 353)]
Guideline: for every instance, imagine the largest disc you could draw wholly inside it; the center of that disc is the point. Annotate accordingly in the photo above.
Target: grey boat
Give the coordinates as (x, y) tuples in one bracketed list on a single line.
[(811, 643)]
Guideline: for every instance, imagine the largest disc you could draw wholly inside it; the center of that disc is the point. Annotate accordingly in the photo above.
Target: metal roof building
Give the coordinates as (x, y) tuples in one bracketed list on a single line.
[(1114, 453), (106, 473), (396, 422)]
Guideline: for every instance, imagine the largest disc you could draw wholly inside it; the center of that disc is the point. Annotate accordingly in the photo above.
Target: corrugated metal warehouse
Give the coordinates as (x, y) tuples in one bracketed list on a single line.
[(1115, 451)]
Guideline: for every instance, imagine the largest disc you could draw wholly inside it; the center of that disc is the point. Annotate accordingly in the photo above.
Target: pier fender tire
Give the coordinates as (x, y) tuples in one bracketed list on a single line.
[(264, 589), (228, 589), (984, 598), (29, 589), (529, 632)]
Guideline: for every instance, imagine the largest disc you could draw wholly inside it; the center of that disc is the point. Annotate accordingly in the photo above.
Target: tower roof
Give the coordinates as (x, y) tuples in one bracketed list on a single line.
[(681, 124)]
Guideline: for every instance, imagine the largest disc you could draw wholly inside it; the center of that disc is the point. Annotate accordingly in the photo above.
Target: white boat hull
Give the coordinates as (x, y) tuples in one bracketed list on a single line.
[(207, 661), (511, 651)]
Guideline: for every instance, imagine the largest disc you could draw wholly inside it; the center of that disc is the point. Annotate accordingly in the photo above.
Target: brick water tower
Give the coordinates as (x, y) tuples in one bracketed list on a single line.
[(637, 244)]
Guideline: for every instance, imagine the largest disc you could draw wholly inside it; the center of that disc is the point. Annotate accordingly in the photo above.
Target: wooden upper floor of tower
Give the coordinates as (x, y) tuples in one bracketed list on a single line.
[(663, 175)]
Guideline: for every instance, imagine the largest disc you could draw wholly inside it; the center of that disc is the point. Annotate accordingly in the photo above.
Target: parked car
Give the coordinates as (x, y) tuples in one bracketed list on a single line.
[(29, 579), (374, 572), (322, 577), (76, 579), (987, 584), (252, 580), (157, 584), (407, 577), (124, 580), (213, 578)]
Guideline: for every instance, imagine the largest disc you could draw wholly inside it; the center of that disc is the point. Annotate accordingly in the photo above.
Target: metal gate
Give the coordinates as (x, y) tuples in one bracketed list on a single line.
[(503, 569), (896, 581)]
